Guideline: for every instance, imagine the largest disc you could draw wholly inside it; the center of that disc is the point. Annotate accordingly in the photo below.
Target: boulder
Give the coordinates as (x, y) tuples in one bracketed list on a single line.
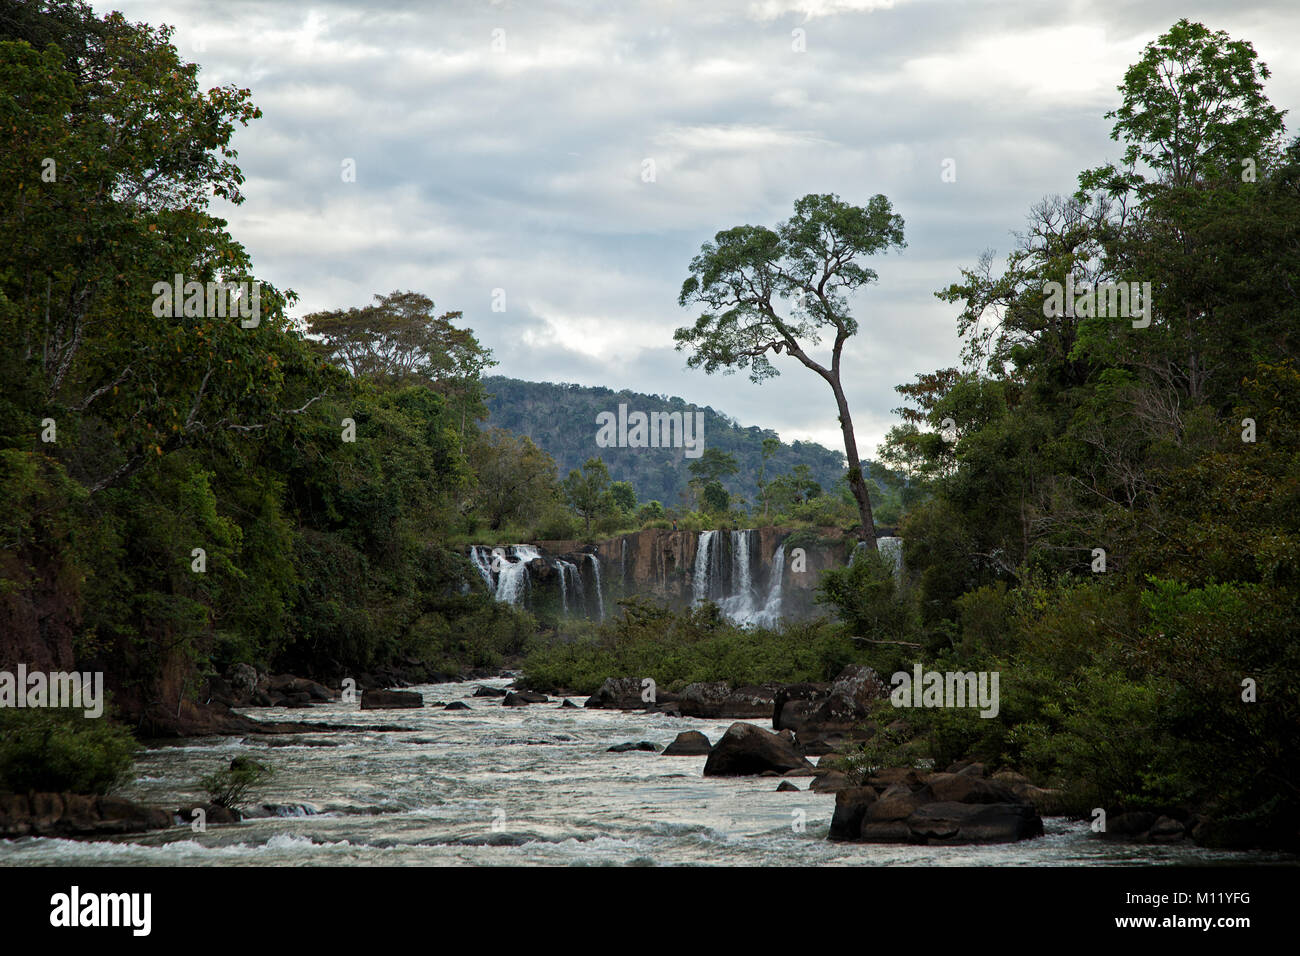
[(243, 681), (689, 743), (785, 786), (213, 813), (947, 823), (569, 704), (888, 776), (830, 782), (390, 699), (1166, 830), (851, 805), (522, 698), (457, 705), (747, 750), (965, 788), (1129, 826), (898, 802), (624, 693), (792, 702), (717, 700), (117, 815), (482, 691), (624, 748)]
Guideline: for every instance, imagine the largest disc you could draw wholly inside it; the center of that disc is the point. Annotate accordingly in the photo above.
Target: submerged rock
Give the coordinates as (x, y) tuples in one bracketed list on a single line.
[(624, 748)]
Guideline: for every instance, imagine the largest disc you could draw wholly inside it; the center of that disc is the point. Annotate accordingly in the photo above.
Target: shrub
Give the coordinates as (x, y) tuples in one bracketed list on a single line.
[(230, 786), (56, 750)]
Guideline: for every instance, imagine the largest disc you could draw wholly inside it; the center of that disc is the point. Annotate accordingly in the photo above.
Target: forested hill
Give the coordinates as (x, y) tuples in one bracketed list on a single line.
[(561, 420)]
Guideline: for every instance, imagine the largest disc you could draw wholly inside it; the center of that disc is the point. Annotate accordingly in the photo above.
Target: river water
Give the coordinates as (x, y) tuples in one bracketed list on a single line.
[(518, 785)]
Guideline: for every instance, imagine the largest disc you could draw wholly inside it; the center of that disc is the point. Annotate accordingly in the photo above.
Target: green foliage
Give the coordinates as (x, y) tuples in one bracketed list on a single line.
[(585, 490), (231, 786), (558, 418), (56, 750), (681, 648)]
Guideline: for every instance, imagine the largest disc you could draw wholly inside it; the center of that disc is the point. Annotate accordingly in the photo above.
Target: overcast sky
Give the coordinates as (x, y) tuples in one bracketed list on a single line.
[(482, 168)]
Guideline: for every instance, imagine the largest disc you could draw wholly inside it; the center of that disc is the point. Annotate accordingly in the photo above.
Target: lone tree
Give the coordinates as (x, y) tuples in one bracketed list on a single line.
[(806, 268)]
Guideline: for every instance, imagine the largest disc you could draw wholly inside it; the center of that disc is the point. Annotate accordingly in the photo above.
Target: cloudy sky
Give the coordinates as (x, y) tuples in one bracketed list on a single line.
[(501, 145)]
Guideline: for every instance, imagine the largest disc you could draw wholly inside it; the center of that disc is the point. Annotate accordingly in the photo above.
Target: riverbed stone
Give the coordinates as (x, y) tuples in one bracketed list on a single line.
[(390, 700), (748, 750), (851, 805), (689, 743)]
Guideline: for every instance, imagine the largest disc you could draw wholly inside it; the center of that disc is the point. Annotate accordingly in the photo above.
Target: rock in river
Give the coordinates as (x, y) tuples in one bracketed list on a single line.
[(747, 750)]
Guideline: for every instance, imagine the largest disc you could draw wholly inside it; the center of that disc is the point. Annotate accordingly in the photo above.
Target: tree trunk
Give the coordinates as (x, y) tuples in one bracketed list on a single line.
[(857, 484)]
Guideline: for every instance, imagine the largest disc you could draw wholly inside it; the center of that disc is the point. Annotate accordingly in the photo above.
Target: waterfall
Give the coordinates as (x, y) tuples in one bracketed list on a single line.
[(700, 584), (770, 615), (512, 576), (568, 570), (595, 571), (739, 605), (622, 566), (482, 559), (892, 548)]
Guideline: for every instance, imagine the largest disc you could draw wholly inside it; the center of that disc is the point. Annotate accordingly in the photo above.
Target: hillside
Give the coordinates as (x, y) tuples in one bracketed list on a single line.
[(561, 419)]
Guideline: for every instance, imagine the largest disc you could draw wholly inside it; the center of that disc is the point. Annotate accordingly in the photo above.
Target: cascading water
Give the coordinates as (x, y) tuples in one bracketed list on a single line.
[(595, 573), (700, 583), (512, 576), (739, 605), (889, 548), (770, 615), (568, 571), (892, 548), (482, 560)]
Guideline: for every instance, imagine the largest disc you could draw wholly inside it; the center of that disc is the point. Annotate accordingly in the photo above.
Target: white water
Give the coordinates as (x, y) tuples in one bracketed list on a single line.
[(892, 548), (770, 615), (568, 571), (739, 605), (512, 576), (482, 559), (700, 583), (520, 786), (595, 572)]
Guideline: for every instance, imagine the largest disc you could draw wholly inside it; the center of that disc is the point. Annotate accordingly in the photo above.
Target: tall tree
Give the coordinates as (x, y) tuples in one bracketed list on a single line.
[(585, 490), (770, 291), (400, 339)]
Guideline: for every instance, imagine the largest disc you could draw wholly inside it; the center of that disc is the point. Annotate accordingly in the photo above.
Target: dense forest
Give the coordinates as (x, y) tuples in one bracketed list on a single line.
[(1105, 509), (561, 419)]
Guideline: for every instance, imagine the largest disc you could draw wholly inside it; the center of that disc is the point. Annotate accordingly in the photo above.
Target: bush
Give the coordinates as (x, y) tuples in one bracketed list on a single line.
[(678, 648), (56, 750), (229, 787)]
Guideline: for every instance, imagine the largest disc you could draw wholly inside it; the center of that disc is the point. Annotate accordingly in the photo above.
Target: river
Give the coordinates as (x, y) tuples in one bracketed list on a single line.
[(518, 785)]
